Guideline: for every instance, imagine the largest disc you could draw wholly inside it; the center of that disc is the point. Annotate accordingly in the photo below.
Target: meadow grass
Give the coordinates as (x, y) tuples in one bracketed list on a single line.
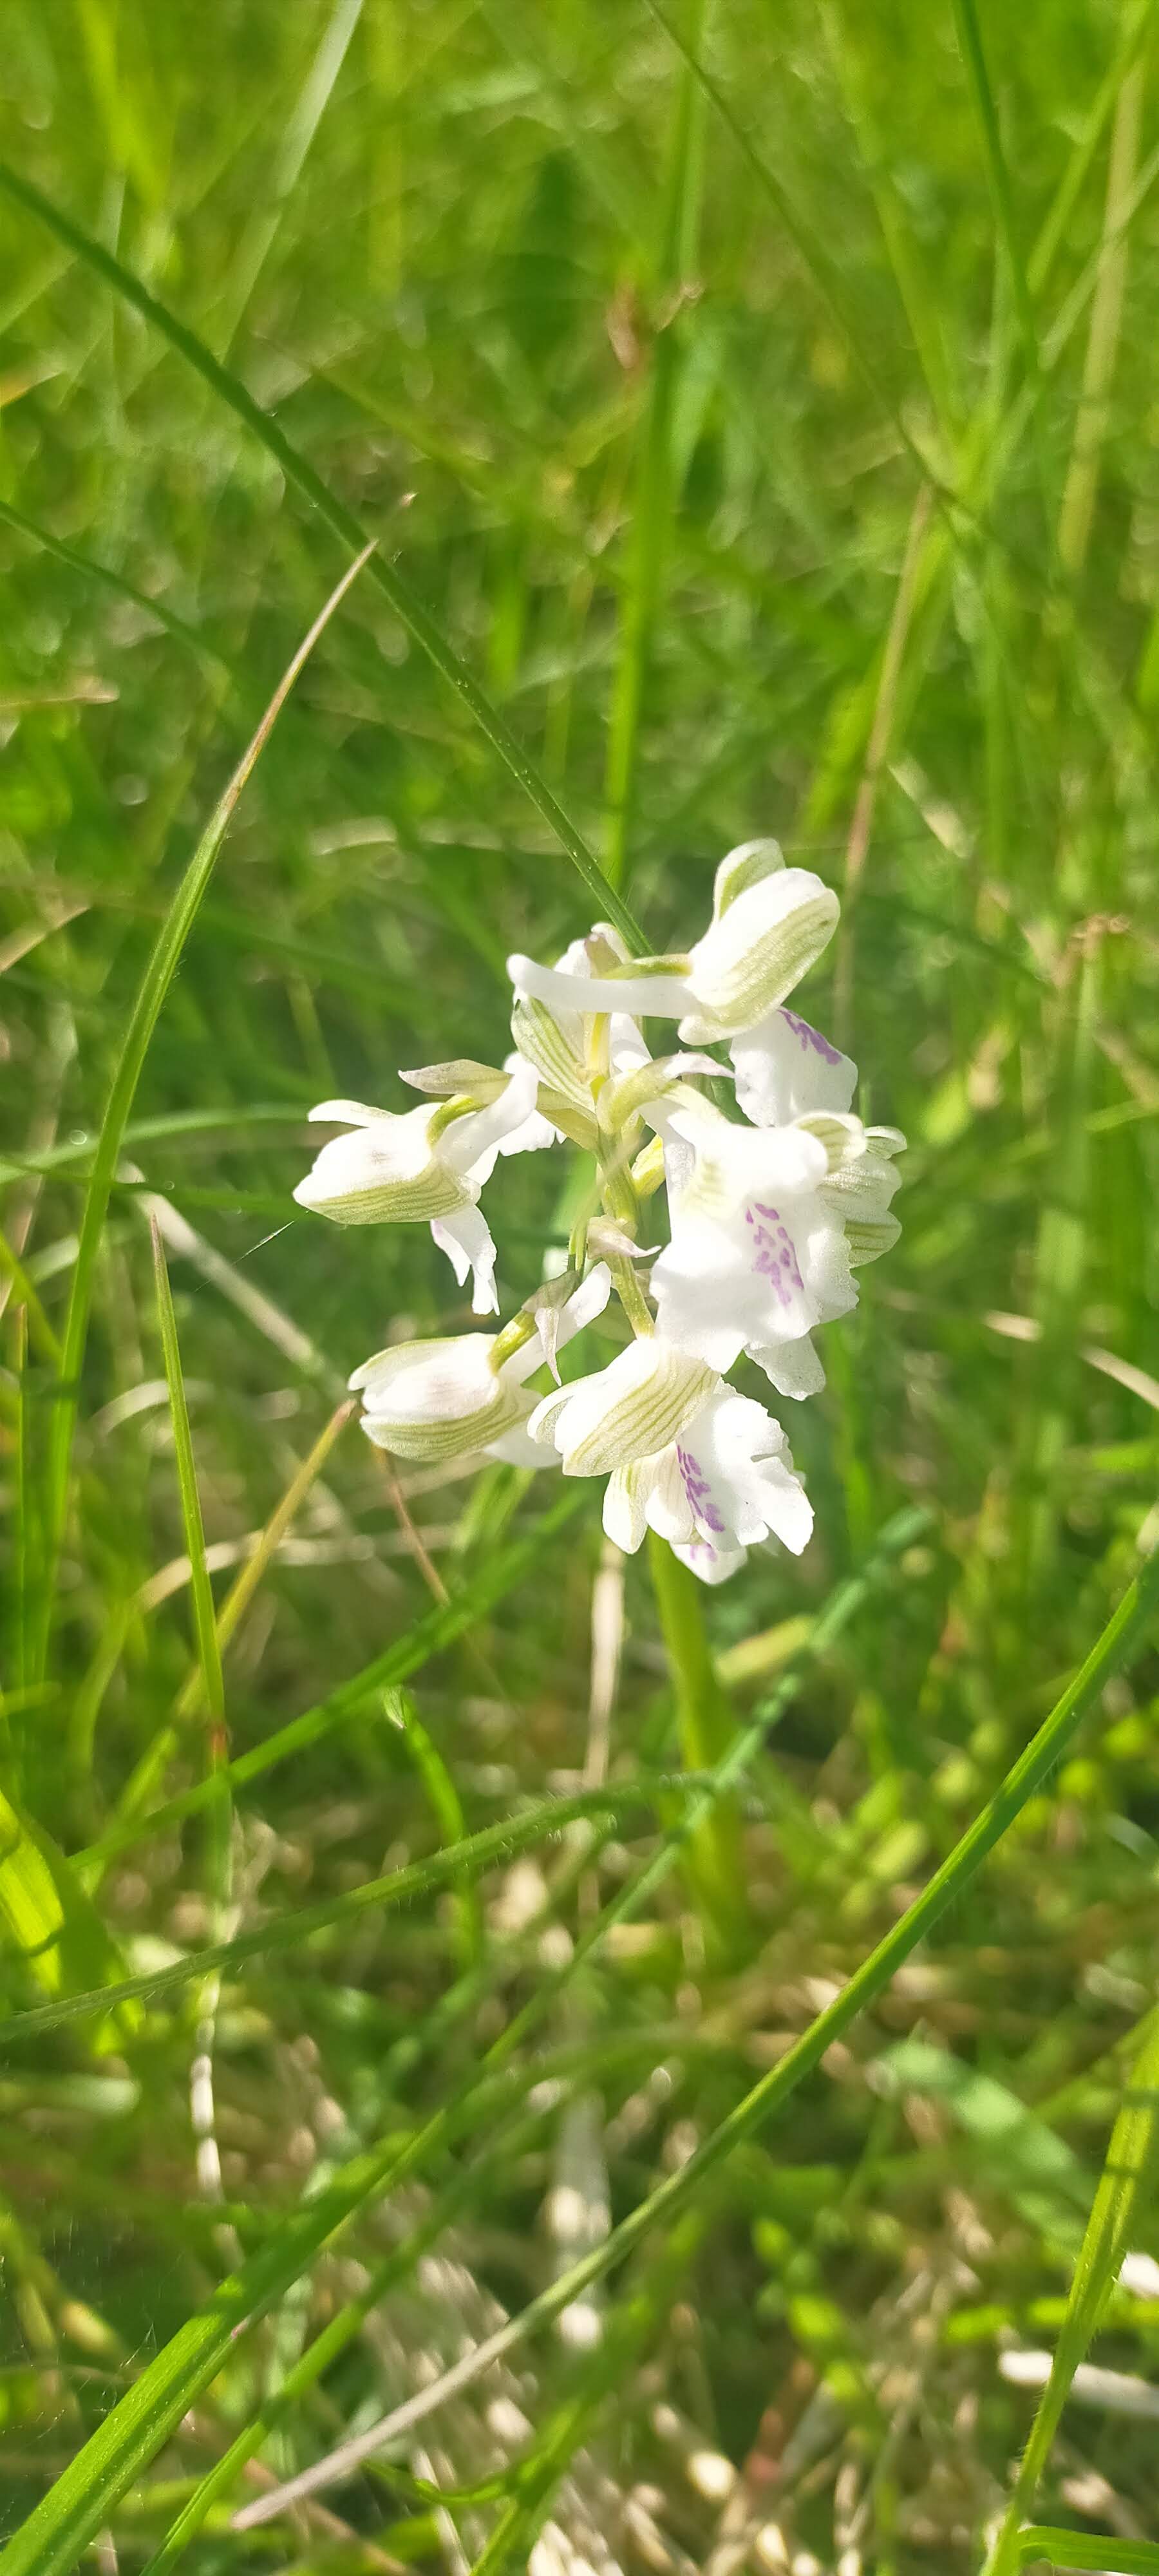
[(548, 2066)]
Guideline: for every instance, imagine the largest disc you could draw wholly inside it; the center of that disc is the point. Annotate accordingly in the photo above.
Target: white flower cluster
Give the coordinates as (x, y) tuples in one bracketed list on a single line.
[(769, 1216)]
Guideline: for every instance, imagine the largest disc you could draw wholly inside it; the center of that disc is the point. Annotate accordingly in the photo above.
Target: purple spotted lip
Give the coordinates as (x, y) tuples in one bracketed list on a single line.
[(811, 1037), (698, 1490), (773, 1255)]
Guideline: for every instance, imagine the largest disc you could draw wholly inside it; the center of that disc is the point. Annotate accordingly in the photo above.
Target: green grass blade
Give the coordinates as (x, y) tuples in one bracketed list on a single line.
[(201, 1590), (143, 1019), (1046, 2548), (406, 605), (1130, 2160), (973, 55), (447, 1807), (219, 1816), (653, 497)]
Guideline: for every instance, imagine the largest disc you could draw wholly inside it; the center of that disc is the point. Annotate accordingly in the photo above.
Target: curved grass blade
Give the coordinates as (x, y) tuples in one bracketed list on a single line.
[(406, 605), (143, 1019), (52, 2538), (1130, 2158)]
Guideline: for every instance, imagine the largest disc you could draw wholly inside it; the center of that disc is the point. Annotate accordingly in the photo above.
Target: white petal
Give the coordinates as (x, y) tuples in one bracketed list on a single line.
[(516, 1448), (756, 951), (544, 1422), (626, 1505), (466, 1238), (584, 1304), (710, 1563), (793, 1368), (632, 1409), (744, 867), (740, 1478), (785, 1067), (469, 1145), (346, 1113), (702, 1293), (670, 1507), (418, 1380), (383, 1170), (661, 996)]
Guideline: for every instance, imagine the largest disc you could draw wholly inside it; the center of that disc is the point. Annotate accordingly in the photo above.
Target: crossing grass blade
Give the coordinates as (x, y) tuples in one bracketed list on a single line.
[(1115, 2212), (55, 2534), (404, 601), (142, 1021)]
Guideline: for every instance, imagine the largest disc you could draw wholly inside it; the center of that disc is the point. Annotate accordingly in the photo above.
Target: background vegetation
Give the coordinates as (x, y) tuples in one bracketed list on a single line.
[(762, 403)]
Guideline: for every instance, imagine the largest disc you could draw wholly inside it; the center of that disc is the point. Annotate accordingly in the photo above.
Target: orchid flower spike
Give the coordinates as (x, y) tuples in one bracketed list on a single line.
[(772, 1209)]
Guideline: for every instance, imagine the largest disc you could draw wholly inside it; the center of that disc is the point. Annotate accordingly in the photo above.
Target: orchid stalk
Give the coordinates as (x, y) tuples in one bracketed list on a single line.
[(773, 1204)]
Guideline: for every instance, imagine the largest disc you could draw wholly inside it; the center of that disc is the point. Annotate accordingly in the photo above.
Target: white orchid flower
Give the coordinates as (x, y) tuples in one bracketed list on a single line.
[(443, 1398), (766, 1227), (426, 1163), (703, 1467), (769, 925)]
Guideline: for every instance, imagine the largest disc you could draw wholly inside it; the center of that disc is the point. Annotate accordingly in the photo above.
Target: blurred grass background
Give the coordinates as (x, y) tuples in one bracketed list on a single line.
[(776, 445)]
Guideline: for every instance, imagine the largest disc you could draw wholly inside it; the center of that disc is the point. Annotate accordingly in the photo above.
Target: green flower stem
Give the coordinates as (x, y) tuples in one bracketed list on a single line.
[(715, 1853)]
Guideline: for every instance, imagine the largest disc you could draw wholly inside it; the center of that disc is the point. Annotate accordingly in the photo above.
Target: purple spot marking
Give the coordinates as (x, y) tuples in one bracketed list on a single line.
[(774, 1258), (698, 1489), (811, 1037)]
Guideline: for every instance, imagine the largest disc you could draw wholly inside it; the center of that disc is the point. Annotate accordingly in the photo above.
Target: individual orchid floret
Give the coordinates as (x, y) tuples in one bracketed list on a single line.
[(769, 925), (764, 1238), (703, 1467), (423, 1164), (441, 1399)]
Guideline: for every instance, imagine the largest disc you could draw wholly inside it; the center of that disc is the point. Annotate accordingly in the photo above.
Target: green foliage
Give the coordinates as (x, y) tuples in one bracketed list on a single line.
[(752, 414)]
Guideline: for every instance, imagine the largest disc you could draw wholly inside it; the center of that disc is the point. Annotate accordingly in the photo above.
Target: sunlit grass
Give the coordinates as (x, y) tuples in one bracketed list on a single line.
[(751, 413)]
